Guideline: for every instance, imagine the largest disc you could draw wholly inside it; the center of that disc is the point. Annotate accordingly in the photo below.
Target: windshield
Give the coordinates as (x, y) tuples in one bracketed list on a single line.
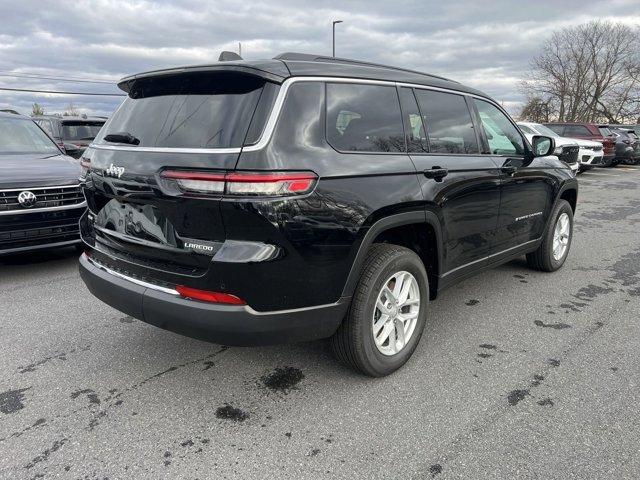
[(188, 111), (542, 130), (19, 135), (80, 130), (604, 131)]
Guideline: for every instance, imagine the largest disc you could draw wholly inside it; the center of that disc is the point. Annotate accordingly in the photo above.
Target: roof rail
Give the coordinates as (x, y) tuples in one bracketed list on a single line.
[(308, 57)]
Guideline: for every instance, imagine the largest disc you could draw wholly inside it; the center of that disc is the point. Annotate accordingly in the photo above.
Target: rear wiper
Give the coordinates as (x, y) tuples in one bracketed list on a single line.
[(122, 137)]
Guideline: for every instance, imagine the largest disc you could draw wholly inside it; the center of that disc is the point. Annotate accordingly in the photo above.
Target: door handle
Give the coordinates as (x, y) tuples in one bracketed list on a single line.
[(436, 173), (509, 169)]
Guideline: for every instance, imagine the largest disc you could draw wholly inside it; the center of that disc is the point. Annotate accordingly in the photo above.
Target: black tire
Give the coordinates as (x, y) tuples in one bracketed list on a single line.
[(542, 259), (353, 344)]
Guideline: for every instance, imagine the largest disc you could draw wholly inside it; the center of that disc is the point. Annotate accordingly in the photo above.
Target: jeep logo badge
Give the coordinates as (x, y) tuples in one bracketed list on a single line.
[(27, 199), (114, 171)]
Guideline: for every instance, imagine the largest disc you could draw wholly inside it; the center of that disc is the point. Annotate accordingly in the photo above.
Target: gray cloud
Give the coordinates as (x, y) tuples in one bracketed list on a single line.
[(487, 46)]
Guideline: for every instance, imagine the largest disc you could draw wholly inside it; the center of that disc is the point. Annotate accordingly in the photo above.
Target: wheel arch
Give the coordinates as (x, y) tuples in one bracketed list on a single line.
[(419, 231)]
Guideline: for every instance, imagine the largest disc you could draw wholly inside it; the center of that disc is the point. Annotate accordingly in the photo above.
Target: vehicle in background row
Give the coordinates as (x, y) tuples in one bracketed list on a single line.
[(567, 149), (590, 153), (72, 134), (40, 197), (306, 197), (589, 131), (635, 128), (627, 145)]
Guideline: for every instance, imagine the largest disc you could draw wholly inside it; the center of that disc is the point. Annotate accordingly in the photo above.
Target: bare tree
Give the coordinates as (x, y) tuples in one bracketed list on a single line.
[(590, 72), (36, 110), (536, 110), (71, 110)]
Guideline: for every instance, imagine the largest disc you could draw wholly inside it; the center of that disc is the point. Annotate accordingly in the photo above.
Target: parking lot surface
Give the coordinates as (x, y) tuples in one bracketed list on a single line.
[(519, 374)]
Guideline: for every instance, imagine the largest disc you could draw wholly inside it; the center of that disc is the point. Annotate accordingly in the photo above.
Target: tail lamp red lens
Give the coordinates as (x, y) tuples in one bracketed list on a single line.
[(243, 183), (207, 296)]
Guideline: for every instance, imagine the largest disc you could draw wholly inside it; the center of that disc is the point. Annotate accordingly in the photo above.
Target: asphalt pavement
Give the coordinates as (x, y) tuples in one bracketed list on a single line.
[(519, 374)]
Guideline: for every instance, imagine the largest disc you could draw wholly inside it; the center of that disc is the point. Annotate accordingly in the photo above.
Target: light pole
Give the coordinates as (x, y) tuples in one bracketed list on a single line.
[(334, 35)]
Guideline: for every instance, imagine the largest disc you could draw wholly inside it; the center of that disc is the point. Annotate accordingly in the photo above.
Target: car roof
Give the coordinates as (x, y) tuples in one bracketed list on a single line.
[(14, 115), (70, 118), (288, 65)]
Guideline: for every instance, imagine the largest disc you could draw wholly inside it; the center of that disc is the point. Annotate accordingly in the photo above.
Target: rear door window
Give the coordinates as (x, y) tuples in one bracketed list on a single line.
[(448, 122), (504, 138), (576, 131), (559, 129), (364, 118), (204, 110)]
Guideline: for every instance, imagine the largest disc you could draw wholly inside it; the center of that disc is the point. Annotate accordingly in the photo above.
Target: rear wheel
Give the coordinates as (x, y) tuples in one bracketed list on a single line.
[(553, 250), (387, 314)]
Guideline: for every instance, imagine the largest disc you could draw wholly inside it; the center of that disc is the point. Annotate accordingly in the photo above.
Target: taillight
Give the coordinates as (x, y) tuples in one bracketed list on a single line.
[(267, 184), (207, 296), (197, 182)]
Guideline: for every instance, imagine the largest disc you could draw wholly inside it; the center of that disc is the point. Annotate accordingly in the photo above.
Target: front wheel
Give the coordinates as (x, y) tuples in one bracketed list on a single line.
[(553, 250), (387, 313)]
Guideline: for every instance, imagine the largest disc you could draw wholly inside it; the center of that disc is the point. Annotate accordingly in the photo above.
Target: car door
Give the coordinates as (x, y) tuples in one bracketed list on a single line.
[(460, 185), (527, 183)]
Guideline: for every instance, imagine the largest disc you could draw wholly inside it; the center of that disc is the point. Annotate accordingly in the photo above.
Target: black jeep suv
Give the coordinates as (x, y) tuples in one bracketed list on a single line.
[(305, 197), (40, 196)]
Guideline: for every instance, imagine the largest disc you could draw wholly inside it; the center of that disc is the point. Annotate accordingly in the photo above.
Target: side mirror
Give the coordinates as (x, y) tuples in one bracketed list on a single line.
[(543, 146)]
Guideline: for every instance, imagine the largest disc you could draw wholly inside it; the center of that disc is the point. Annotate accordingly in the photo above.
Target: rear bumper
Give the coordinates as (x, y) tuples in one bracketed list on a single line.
[(224, 324)]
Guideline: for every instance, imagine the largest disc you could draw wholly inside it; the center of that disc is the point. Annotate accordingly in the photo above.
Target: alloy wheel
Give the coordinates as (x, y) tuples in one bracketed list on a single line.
[(396, 313), (561, 236)]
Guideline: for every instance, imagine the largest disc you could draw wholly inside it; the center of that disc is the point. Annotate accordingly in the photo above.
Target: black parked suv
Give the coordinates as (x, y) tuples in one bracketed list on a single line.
[(72, 134), (304, 197), (40, 196)]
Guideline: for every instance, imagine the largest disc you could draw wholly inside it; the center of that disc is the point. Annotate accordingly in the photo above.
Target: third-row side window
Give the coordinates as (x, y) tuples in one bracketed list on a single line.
[(364, 118)]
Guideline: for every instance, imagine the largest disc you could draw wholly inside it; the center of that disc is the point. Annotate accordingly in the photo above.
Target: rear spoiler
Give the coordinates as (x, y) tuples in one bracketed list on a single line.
[(273, 74)]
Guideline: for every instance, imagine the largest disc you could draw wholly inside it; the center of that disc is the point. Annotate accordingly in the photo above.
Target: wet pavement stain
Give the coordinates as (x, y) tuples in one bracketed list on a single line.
[(57, 445), (12, 400), (553, 362), (537, 379), (283, 379), (127, 319), (488, 346), (555, 326), (516, 396), (435, 469), (472, 302), (592, 291), (546, 402), (227, 412), (485, 355), (207, 365), (91, 395)]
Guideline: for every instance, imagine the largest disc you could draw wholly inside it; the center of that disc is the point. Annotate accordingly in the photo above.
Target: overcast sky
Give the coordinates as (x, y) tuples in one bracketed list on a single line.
[(485, 44)]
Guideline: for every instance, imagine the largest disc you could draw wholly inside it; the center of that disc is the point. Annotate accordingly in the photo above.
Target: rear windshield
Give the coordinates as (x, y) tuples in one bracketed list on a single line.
[(23, 136), (188, 111), (81, 130)]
